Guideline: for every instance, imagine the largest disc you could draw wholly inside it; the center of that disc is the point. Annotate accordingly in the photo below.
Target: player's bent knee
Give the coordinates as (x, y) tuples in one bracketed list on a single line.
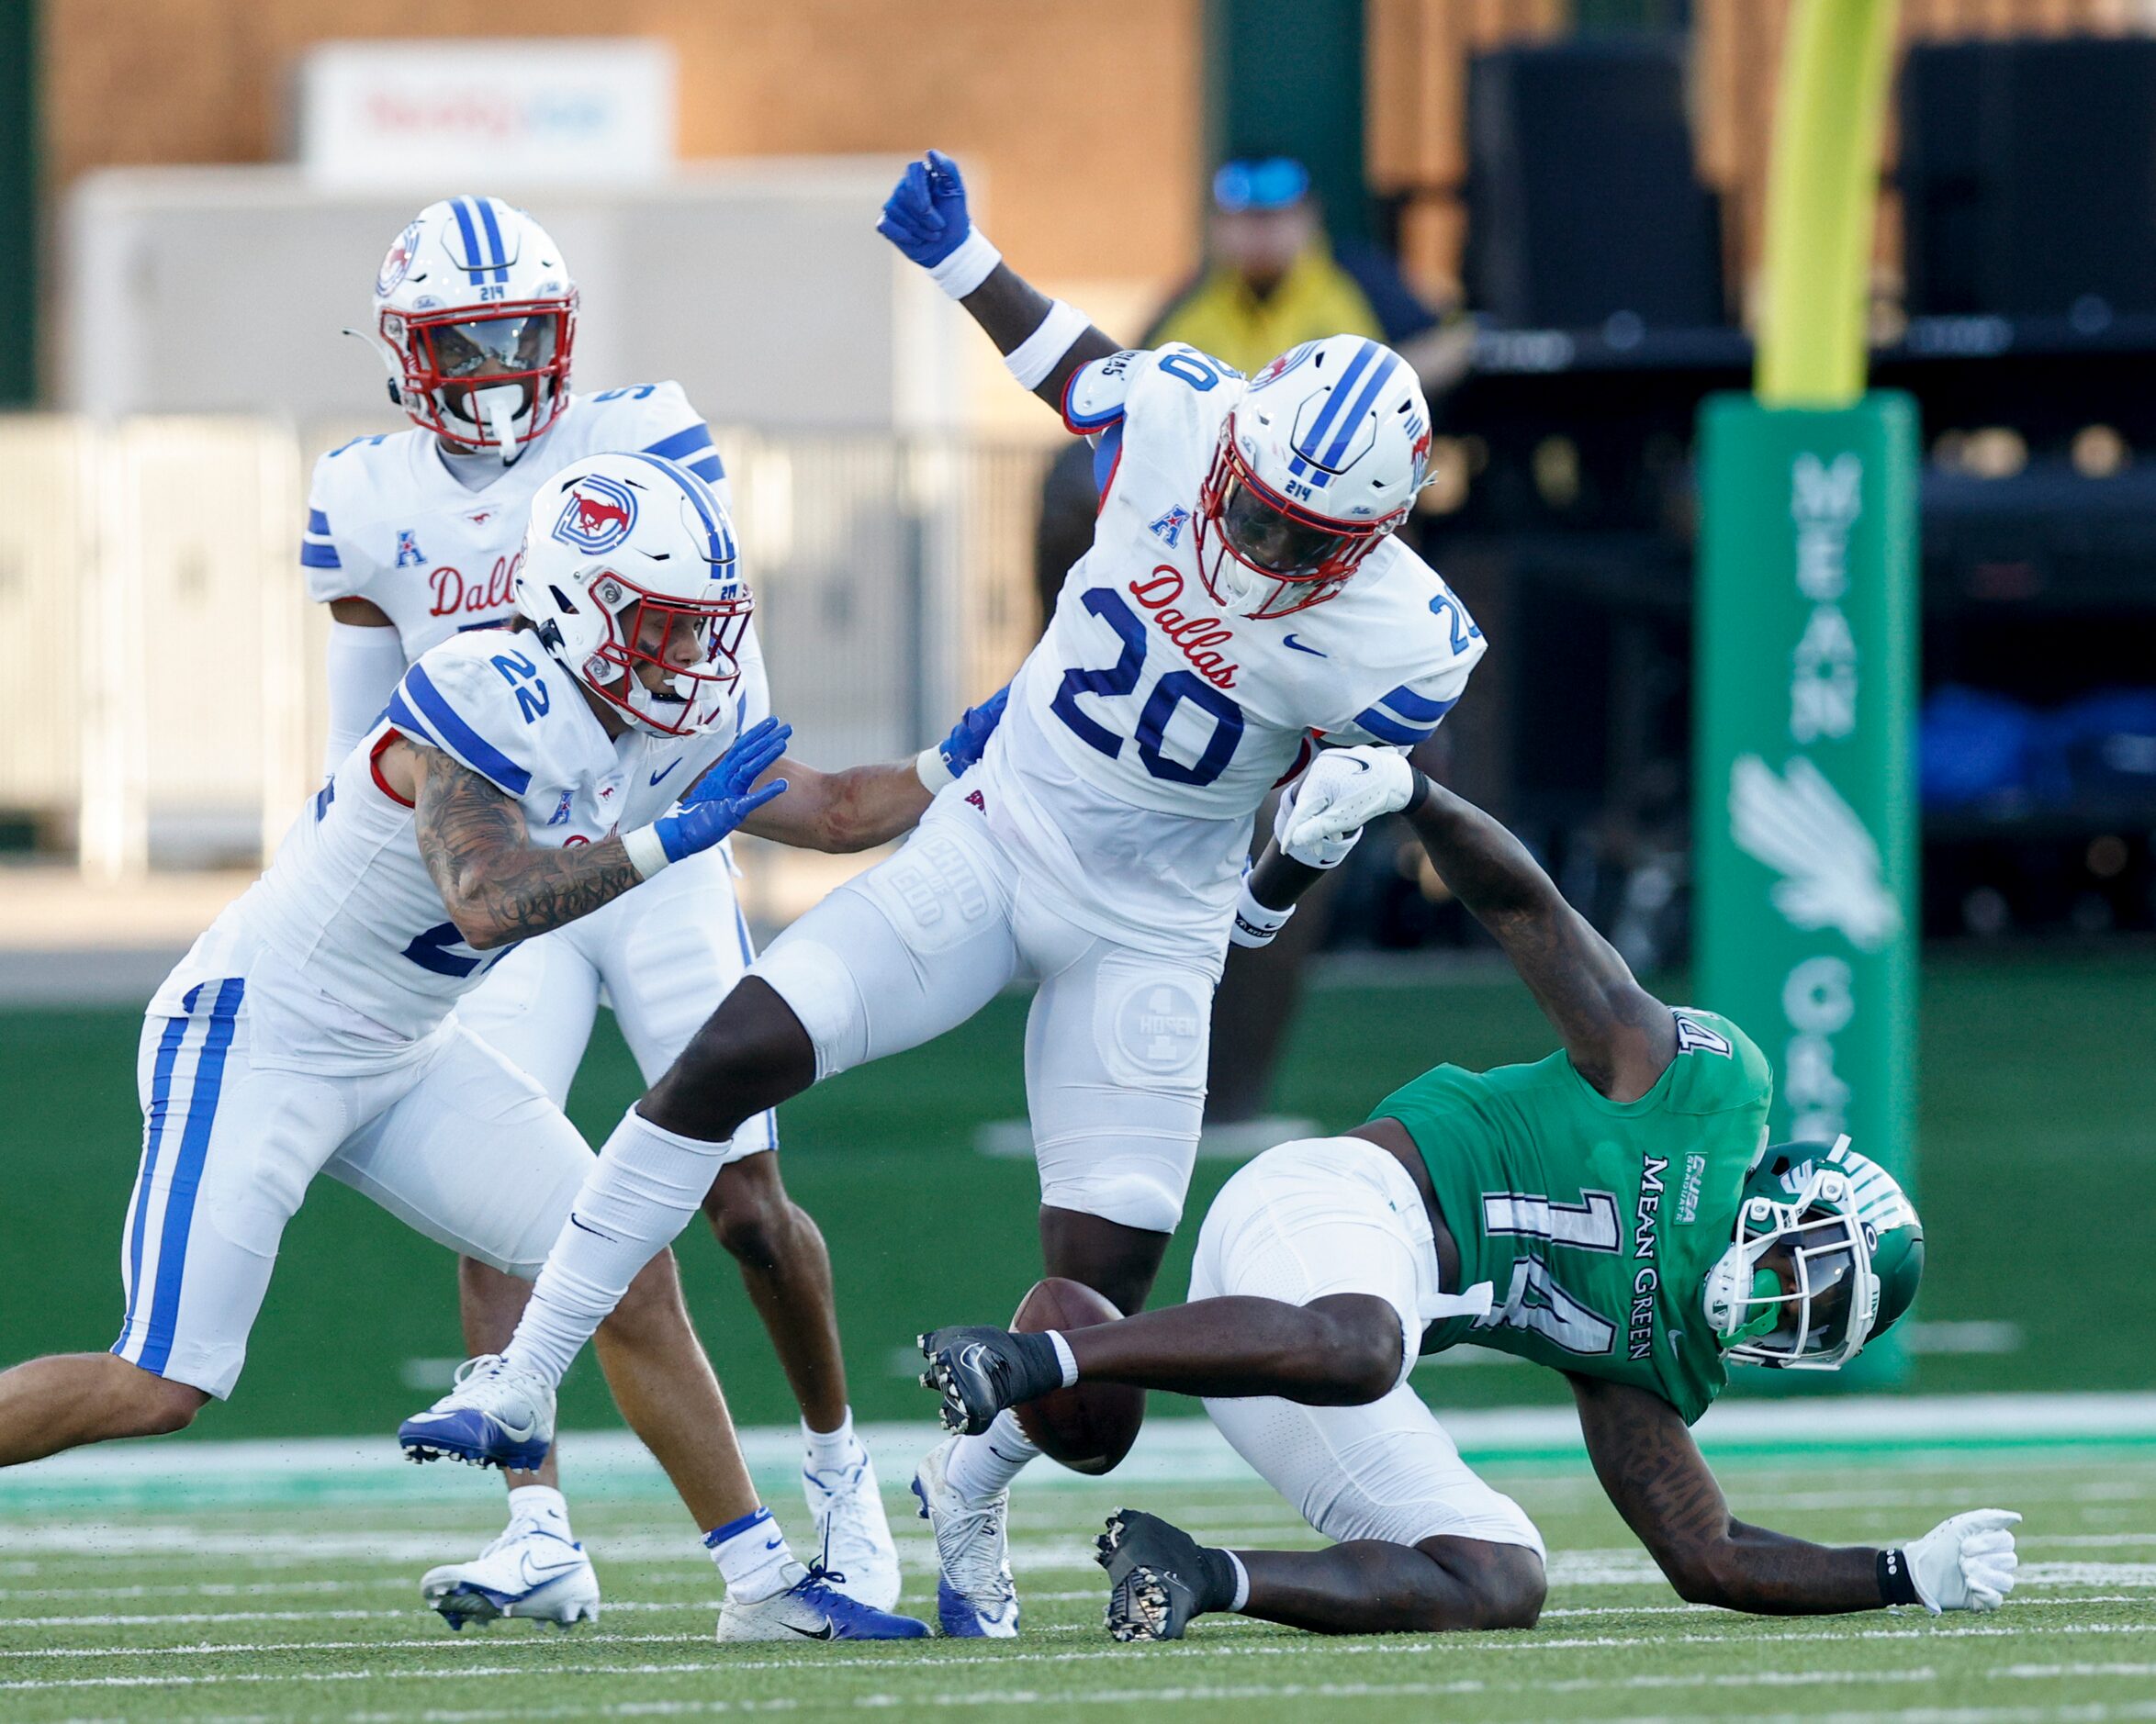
[(1361, 1349), (156, 1406), (1503, 1585), (751, 1054), (750, 1213)]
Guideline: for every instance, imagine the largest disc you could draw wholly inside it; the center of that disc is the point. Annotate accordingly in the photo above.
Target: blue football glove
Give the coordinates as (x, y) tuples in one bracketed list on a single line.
[(925, 217), (721, 800), (956, 753)]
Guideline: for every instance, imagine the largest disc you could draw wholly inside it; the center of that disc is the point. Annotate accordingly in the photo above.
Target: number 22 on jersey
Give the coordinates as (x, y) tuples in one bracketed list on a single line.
[(1111, 722)]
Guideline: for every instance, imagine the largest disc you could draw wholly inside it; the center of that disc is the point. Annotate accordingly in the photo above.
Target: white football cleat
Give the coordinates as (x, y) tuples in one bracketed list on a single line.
[(812, 1608), (975, 1597), (848, 1508), (530, 1569), (497, 1415)]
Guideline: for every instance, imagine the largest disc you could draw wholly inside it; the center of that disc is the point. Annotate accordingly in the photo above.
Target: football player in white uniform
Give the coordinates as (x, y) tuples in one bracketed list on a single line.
[(414, 537), (1244, 590), (517, 782)]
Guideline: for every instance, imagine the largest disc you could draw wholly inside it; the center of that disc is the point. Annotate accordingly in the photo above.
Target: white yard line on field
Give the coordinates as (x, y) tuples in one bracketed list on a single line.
[(1455, 1648)]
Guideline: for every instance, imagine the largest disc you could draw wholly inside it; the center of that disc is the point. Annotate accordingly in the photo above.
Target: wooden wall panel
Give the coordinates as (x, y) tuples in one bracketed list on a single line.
[(1087, 113)]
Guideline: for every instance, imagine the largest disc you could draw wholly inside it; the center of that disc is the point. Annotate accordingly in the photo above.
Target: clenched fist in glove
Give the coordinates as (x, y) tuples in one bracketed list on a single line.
[(1343, 792)]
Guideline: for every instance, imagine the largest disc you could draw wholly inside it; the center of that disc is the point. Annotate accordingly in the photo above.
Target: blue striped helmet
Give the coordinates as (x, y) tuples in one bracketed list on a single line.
[(476, 314), (631, 576), (1317, 464)]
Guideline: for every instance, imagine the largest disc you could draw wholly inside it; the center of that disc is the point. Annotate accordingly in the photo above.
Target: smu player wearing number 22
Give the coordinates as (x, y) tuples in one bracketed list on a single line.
[(1243, 589), (518, 782), (414, 537)]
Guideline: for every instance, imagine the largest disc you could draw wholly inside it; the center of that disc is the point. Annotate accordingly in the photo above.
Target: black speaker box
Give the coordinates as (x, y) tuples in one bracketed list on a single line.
[(1583, 202), (2028, 178)]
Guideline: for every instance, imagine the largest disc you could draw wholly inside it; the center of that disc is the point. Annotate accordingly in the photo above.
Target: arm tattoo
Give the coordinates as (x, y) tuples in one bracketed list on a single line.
[(496, 885), (1662, 1485), (1616, 1032)]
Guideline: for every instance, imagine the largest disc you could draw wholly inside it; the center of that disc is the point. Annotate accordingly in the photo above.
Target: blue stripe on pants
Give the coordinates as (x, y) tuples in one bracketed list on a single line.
[(179, 1203), (161, 1086)]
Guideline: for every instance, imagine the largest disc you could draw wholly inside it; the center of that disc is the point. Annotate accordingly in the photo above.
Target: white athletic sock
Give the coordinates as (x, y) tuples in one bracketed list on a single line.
[(542, 1502), (640, 1193), (832, 1450), (1065, 1358), (751, 1555), (1242, 1580), (981, 1467)]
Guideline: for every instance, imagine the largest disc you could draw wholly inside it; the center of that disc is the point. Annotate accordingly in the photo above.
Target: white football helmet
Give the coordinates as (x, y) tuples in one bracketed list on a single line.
[(474, 315), (629, 562), (1317, 463)]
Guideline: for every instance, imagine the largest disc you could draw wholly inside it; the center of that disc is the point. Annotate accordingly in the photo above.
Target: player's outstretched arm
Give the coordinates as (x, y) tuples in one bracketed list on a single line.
[(500, 888), (1660, 1482), (1043, 340), (864, 806), (1618, 1035)]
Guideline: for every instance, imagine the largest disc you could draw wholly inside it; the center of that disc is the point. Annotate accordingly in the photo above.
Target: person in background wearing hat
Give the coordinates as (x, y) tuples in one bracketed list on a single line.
[(1271, 281)]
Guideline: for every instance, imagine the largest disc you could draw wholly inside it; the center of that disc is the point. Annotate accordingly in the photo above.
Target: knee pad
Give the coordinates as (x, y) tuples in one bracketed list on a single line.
[(1144, 1191)]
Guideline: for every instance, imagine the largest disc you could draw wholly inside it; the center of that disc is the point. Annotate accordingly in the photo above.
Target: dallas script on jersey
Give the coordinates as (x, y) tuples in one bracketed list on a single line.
[(456, 596), (1195, 637)]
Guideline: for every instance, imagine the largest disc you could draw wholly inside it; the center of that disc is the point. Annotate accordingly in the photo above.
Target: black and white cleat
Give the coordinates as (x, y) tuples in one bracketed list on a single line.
[(1159, 1577), (979, 1370)]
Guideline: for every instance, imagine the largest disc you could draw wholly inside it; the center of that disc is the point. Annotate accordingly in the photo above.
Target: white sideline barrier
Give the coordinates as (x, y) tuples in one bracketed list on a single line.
[(161, 668)]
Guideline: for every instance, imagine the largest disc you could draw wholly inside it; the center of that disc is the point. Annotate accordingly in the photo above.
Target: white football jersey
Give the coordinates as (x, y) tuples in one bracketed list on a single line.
[(1145, 729), (348, 911), (388, 521)]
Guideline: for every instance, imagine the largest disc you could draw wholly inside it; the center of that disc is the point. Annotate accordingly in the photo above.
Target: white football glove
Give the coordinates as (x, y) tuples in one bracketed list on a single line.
[(1965, 1563), (1343, 792), (1328, 854)]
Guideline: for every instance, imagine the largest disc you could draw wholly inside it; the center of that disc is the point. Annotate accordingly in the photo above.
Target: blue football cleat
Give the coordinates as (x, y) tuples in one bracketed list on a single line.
[(497, 1415), (812, 1608)]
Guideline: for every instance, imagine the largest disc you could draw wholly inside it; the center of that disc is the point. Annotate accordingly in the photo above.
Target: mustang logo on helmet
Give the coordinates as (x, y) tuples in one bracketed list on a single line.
[(397, 264), (598, 516)]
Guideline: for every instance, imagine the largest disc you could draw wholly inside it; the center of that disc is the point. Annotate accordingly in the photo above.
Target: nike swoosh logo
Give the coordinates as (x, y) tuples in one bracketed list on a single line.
[(1289, 639), (657, 775), (822, 1633), (774, 1544), (541, 1577), (576, 1222)]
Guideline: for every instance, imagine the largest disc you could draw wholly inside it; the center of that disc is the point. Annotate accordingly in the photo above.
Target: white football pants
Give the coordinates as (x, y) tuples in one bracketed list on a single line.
[(1114, 1043), (458, 1143), (662, 956), (1337, 1215)]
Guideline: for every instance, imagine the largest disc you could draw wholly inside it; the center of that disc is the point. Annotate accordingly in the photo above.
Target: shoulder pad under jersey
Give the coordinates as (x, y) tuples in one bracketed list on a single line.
[(652, 418), (484, 697)]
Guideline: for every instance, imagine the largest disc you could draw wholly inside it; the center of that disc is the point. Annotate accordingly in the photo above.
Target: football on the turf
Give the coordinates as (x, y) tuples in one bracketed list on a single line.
[(1088, 1427)]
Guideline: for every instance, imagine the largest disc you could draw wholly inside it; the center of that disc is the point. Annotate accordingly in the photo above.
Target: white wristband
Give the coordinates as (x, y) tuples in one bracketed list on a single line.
[(933, 771), (1036, 357), (647, 854), (966, 268), (1256, 923)]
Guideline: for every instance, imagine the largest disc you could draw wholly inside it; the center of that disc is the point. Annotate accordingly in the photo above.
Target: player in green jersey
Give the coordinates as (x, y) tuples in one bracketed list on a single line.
[(1614, 1212)]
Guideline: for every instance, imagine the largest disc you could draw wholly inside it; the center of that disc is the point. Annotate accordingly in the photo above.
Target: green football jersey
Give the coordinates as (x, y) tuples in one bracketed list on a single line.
[(1595, 1221)]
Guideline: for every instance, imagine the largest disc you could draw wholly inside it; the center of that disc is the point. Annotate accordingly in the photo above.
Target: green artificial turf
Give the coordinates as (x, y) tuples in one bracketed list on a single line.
[(2038, 1177), (310, 1612)]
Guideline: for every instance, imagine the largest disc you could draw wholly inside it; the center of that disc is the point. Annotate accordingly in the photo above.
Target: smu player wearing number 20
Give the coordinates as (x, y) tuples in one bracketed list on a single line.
[(1243, 589), (518, 782), (414, 537)]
